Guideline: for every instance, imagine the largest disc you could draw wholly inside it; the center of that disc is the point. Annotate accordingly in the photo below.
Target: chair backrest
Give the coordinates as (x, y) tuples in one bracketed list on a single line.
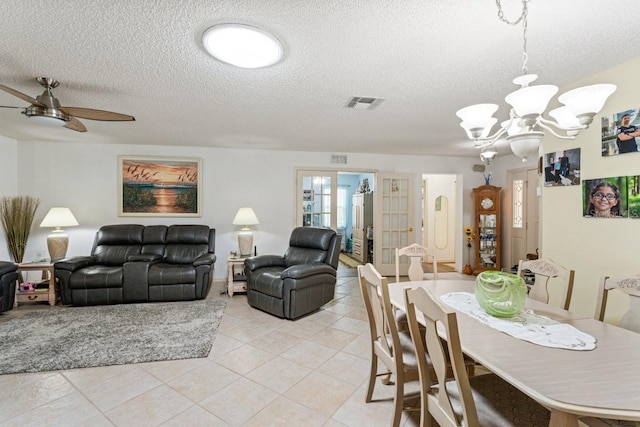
[(445, 356), (382, 324), (628, 285), (545, 269), (416, 254), (313, 244)]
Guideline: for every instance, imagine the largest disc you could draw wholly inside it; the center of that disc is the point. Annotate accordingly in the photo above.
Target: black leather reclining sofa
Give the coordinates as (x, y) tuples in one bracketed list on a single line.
[(137, 263)]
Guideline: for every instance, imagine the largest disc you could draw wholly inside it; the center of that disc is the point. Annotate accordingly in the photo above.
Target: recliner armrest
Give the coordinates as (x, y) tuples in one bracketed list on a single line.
[(75, 263), (204, 259), (299, 271), (7, 267), (262, 261), (144, 258)]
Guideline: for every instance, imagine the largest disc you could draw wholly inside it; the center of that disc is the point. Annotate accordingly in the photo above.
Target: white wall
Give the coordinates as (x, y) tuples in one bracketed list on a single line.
[(83, 177), (594, 247), (8, 181)]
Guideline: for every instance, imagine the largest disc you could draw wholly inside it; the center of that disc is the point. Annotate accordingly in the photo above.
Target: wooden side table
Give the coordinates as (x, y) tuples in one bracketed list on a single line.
[(236, 282), (48, 271)]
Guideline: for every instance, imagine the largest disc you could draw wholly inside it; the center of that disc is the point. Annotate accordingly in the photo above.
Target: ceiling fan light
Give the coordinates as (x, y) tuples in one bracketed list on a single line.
[(531, 100), (242, 45), (587, 99), (48, 121)]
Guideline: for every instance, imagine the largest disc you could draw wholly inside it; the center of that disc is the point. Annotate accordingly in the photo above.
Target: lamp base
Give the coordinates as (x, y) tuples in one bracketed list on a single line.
[(57, 243), (245, 242)]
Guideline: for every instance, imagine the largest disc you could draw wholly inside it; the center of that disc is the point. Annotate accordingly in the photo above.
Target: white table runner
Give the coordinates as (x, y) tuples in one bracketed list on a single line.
[(526, 326)]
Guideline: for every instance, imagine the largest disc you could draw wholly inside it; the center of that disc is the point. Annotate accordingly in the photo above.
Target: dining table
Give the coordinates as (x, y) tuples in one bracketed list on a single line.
[(603, 382)]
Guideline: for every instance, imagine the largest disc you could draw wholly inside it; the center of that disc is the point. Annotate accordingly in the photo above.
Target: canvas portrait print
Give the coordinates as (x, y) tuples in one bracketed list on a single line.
[(621, 133), (562, 168), (633, 195), (605, 197), (159, 186)]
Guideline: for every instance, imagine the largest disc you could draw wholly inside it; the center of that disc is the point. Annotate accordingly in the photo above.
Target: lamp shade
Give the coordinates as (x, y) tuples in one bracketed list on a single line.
[(245, 217), (59, 217), (587, 100)]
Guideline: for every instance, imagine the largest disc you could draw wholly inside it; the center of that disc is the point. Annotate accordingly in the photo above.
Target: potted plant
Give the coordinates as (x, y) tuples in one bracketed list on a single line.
[(17, 215)]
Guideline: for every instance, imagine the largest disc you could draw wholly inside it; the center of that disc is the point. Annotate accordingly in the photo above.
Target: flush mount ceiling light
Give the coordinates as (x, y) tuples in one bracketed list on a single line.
[(242, 45), (526, 125)]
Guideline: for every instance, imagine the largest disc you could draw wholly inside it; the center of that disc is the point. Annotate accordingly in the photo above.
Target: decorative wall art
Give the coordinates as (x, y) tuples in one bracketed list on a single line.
[(605, 197), (562, 168), (159, 186), (633, 194), (621, 133)]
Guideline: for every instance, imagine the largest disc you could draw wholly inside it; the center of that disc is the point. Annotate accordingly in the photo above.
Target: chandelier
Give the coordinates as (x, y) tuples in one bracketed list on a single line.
[(526, 125)]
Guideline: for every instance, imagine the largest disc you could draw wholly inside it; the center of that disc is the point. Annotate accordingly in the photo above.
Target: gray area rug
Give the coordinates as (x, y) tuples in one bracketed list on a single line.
[(81, 337)]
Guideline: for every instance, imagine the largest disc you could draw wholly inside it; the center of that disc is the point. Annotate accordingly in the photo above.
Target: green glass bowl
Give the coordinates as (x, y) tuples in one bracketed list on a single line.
[(500, 294)]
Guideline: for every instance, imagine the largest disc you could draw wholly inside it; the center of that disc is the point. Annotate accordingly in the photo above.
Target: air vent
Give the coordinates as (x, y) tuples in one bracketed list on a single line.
[(478, 168), (339, 158), (364, 103)]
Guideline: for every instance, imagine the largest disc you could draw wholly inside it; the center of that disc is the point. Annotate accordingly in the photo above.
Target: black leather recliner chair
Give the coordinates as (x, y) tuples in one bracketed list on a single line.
[(8, 278), (299, 282)]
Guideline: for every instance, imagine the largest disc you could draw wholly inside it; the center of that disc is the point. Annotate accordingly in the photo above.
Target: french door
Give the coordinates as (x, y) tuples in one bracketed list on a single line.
[(316, 198), (393, 220)]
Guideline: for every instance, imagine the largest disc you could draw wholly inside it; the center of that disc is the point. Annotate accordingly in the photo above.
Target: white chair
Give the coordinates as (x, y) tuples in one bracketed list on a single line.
[(627, 285), (483, 400), (392, 347), (630, 320), (416, 254), (544, 270)]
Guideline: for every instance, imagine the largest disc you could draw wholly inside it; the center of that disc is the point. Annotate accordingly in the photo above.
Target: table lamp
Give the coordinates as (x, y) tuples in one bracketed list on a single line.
[(58, 241), (245, 217)]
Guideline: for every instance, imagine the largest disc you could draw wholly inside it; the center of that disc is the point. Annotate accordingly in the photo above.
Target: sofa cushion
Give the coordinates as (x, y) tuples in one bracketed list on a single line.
[(185, 243), (115, 243), (171, 274), (97, 276), (154, 239)]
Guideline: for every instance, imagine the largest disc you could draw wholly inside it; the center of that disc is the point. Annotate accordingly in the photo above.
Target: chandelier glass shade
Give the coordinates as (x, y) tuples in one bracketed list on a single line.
[(527, 125)]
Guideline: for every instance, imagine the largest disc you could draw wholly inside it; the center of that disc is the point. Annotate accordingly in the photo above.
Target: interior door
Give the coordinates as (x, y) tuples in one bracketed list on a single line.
[(393, 220), (316, 198), (521, 215)]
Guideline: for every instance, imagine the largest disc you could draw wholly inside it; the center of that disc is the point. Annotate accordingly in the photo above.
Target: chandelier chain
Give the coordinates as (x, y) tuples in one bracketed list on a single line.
[(522, 18)]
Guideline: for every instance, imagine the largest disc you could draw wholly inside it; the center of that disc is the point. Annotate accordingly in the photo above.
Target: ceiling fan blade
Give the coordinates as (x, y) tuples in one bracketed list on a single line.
[(22, 96), (91, 114), (75, 124)]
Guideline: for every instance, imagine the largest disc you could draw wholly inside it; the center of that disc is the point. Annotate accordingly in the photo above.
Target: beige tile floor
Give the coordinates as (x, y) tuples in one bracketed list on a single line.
[(262, 371)]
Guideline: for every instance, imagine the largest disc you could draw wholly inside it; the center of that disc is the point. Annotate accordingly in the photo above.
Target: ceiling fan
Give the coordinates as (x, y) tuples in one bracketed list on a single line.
[(46, 107)]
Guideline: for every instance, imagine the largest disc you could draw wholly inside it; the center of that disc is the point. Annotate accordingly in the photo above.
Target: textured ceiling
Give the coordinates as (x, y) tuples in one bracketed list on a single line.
[(426, 58)]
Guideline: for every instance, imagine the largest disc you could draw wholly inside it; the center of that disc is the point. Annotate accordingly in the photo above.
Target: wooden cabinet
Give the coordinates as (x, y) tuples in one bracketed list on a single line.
[(487, 227), (362, 218)]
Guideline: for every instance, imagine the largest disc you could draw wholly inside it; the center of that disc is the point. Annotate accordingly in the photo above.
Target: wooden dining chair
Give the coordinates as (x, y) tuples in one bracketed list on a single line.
[(629, 320), (546, 270), (416, 254), (628, 285), (390, 346), (482, 400)]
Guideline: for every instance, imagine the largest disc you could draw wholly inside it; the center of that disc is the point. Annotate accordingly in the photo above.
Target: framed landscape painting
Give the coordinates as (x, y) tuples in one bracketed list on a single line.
[(159, 186)]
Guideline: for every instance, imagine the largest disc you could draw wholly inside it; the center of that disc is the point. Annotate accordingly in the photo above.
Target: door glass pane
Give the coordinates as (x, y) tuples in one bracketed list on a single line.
[(518, 204)]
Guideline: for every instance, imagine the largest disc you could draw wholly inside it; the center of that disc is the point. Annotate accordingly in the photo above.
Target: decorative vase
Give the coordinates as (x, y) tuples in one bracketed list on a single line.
[(467, 269), (500, 294)]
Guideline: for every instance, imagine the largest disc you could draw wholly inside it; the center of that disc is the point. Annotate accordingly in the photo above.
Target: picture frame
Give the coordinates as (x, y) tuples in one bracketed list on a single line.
[(561, 168), (159, 186), (594, 204), (621, 133)]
